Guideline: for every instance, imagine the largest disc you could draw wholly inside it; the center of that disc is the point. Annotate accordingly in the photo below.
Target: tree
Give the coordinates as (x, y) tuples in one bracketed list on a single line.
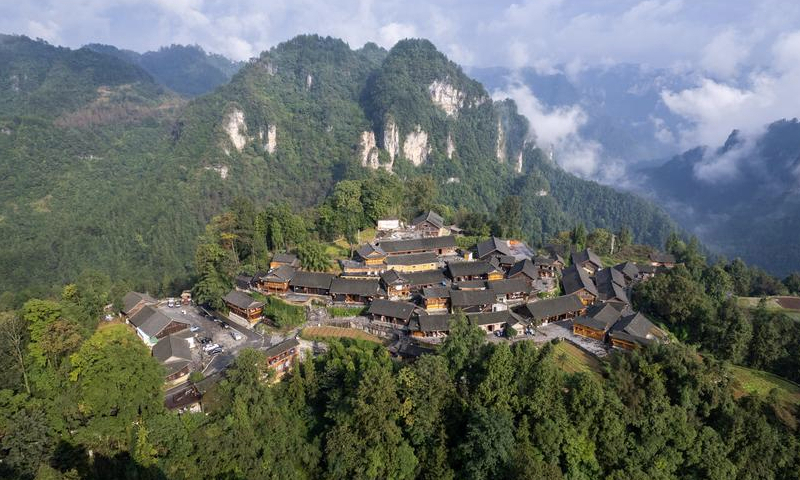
[(27, 441), (462, 345), (14, 336), (624, 236), (313, 257), (599, 241), (792, 283), (508, 216), (39, 315), (118, 383), (578, 236)]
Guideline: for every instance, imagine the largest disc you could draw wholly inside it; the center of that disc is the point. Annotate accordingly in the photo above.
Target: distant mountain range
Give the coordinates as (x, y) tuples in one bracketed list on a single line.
[(742, 199), (104, 169)]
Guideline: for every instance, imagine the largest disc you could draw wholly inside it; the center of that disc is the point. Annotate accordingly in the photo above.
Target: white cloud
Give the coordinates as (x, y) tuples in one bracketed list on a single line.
[(392, 33), (721, 168), (725, 53)]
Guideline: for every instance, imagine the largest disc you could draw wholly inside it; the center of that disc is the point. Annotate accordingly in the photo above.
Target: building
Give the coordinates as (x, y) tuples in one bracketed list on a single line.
[(576, 280), (510, 290), (646, 271), (397, 313), (629, 270), (611, 286), (479, 270), (633, 331), (277, 279), (175, 355), (548, 267), (280, 357), (542, 312), (597, 321), (284, 259), (587, 260), (439, 245), (346, 290), (491, 322), (245, 282), (430, 224), (371, 255), (662, 260), (413, 262), (389, 225), (312, 283), (152, 325), (132, 302), (430, 326), (472, 301), (525, 270), (244, 306), (436, 298)]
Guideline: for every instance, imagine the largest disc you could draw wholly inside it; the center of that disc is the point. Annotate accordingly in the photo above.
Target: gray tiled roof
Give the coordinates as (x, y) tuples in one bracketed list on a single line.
[(282, 347), (312, 280), (151, 321), (524, 267), (629, 269), (354, 287), (599, 317), (430, 216), (281, 274), (464, 269), (412, 259), (550, 307), (417, 244), (493, 245), (131, 299), (242, 300), (471, 298), (575, 279), (387, 308), (586, 255), (434, 323)]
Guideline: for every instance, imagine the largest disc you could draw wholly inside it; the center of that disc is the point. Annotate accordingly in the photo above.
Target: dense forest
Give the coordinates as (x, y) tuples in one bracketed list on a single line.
[(105, 170)]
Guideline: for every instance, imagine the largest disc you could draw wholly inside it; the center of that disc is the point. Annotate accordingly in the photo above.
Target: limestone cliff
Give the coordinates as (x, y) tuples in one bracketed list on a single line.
[(415, 146), (446, 97), (236, 129), (368, 150), (391, 138), (501, 143), (451, 147)]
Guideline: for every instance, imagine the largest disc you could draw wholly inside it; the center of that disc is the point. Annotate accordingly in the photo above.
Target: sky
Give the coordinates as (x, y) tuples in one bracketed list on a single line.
[(743, 54)]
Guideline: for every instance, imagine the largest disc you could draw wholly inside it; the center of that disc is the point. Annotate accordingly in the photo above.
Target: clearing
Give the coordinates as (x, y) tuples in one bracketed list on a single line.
[(572, 359), (750, 381), (312, 333), (790, 306)]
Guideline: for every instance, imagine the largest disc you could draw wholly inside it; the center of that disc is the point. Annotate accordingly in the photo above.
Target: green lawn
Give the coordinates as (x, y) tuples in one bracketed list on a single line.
[(572, 359), (772, 305), (321, 333), (749, 381)]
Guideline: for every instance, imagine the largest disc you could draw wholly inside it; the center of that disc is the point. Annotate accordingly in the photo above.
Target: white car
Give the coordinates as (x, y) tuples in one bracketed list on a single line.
[(236, 335), (194, 328), (210, 346)]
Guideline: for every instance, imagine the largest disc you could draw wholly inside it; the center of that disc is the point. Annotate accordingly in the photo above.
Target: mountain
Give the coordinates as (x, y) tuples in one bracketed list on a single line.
[(743, 198), (185, 69), (123, 178), (621, 103)]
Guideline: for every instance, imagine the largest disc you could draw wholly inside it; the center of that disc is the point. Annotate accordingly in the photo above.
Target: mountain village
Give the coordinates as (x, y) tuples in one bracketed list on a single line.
[(404, 287)]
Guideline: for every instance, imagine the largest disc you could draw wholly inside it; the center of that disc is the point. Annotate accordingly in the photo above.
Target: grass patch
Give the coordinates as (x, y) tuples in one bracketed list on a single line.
[(572, 359), (772, 305), (346, 311), (748, 381), (321, 333), (281, 313)]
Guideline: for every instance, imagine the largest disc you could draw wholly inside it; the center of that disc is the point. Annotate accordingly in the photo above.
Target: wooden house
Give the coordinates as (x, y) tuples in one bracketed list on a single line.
[(525, 270), (611, 286), (597, 321), (493, 246), (152, 325), (548, 267), (175, 355), (345, 290), (312, 283), (245, 282), (472, 300), (132, 302), (491, 322), (629, 270), (359, 269), (479, 270), (396, 313), (542, 312), (430, 224), (430, 325), (280, 357), (510, 290), (587, 260), (439, 245), (277, 279), (413, 262), (575, 280), (284, 259), (371, 255), (662, 260), (633, 331), (244, 306), (436, 298), (430, 278), (395, 284)]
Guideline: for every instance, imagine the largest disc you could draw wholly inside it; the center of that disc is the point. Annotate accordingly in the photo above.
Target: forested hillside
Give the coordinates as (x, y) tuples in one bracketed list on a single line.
[(103, 170), (742, 199), (185, 69)]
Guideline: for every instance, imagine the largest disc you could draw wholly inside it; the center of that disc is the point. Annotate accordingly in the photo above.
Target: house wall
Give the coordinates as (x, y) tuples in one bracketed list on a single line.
[(415, 268), (616, 342), (173, 327), (177, 378), (436, 304), (585, 331)]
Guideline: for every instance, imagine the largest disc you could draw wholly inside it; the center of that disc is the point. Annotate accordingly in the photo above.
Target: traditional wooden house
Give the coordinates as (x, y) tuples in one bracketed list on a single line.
[(629, 270), (395, 284), (646, 271), (510, 290), (611, 286), (542, 312), (244, 306), (419, 280), (491, 322), (312, 283), (480, 270), (548, 267), (525, 270), (575, 280), (597, 321), (284, 259), (396, 313), (587, 260), (430, 326), (277, 279), (438, 245), (175, 355), (502, 262), (436, 298), (359, 269), (493, 246), (345, 290), (633, 331), (245, 282), (152, 325), (472, 300), (413, 262), (371, 255), (132, 302), (430, 224), (281, 356), (662, 260)]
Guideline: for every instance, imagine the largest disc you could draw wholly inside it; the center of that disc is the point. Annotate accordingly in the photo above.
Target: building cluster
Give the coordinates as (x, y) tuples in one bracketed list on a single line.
[(414, 278)]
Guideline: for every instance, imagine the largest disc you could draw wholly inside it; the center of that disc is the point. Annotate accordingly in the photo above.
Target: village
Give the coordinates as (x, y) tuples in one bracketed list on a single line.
[(404, 287)]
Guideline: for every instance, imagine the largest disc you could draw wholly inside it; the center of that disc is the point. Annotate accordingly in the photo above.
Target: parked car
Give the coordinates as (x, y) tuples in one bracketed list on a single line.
[(216, 351), (210, 347), (194, 328), (205, 340), (225, 325), (236, 335)]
